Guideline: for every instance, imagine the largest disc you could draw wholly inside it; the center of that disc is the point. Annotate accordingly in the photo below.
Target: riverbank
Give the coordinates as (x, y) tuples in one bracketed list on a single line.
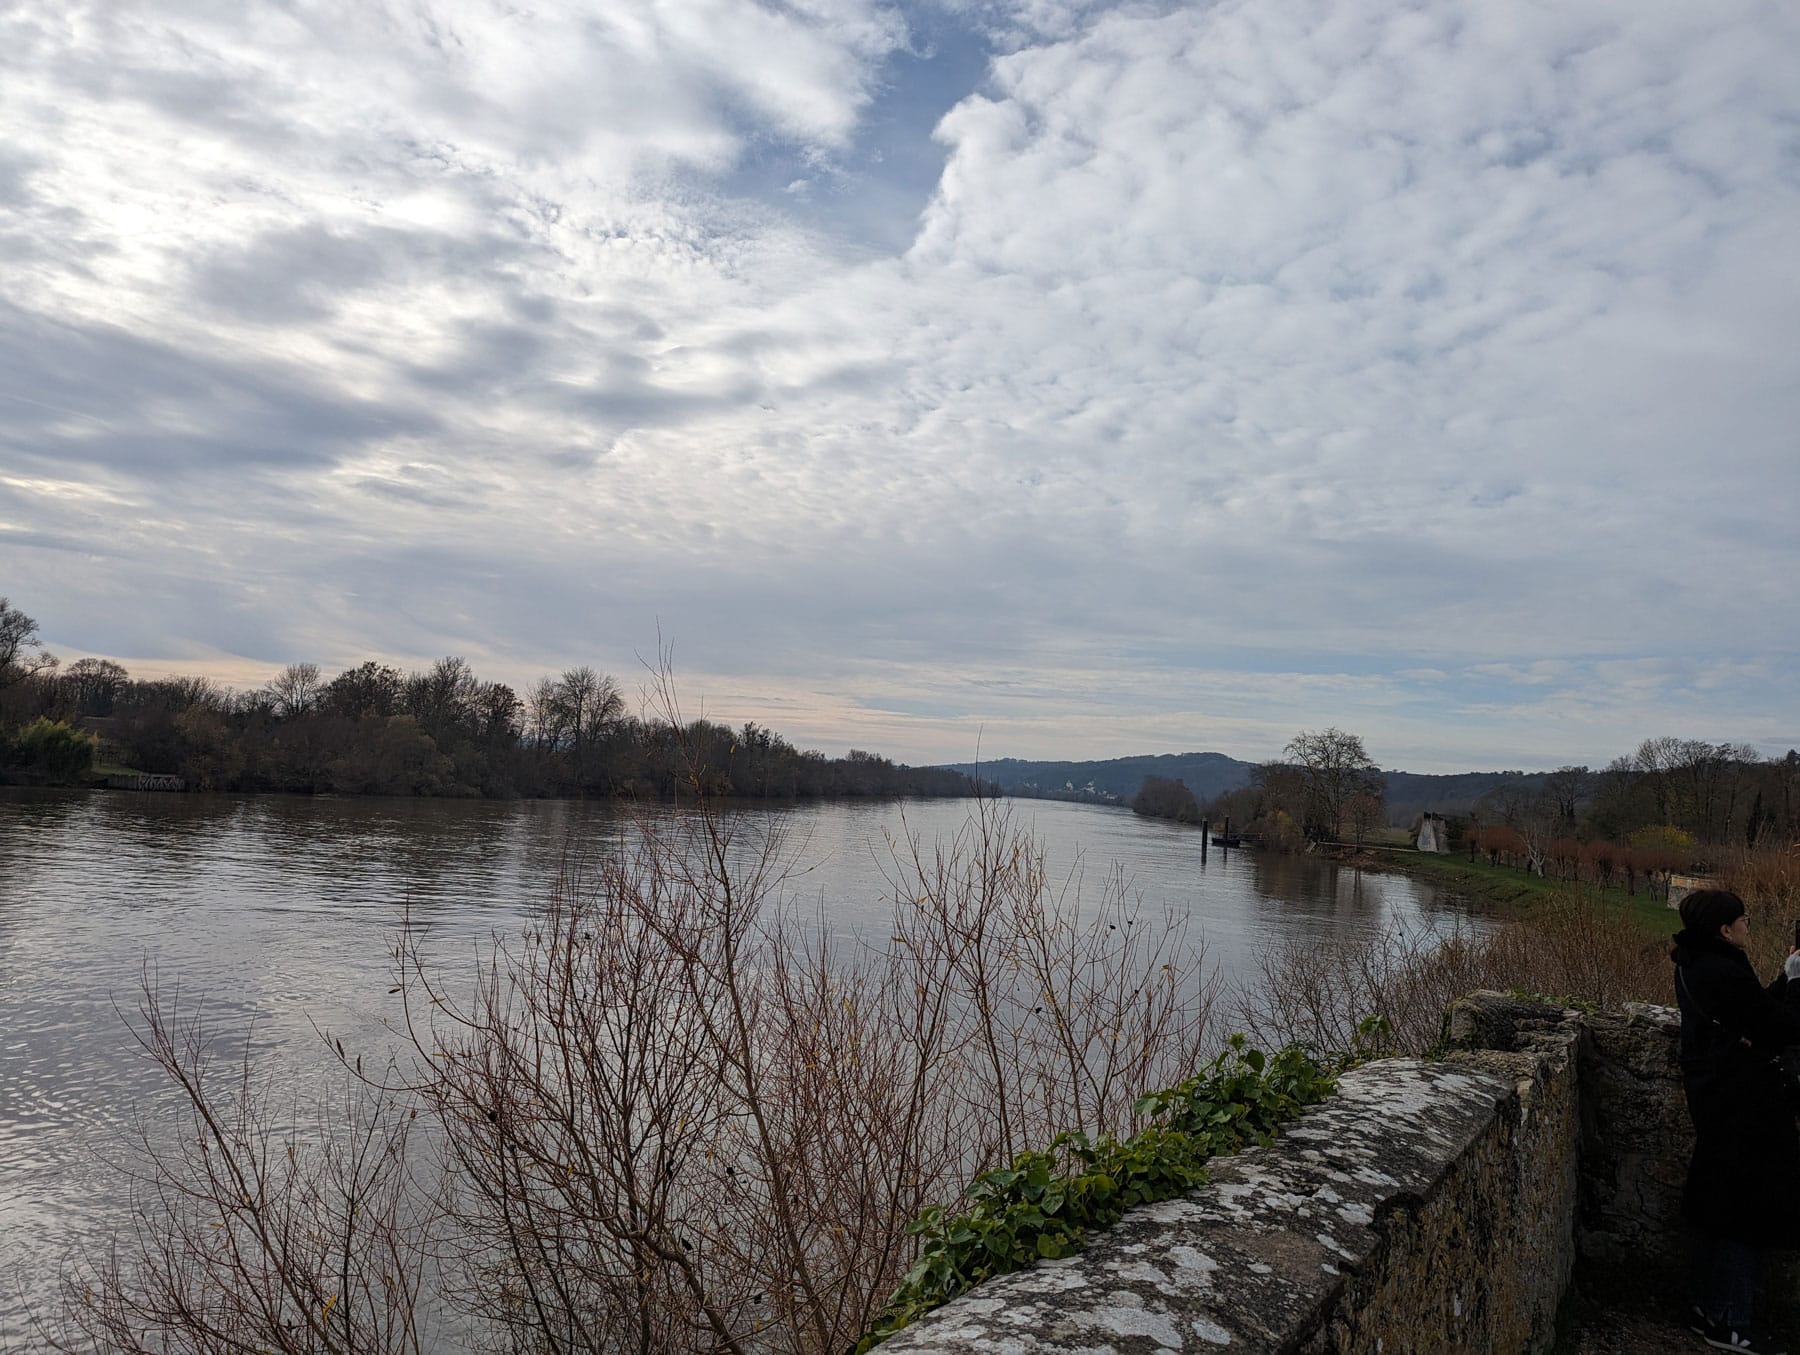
[(1510, 886), (1478, 879)]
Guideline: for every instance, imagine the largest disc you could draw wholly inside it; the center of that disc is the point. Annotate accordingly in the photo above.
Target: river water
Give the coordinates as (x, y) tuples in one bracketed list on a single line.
[(276, 917)]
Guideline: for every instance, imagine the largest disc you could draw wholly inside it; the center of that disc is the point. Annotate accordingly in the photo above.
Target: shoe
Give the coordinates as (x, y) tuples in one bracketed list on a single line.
[(1721, 1337)]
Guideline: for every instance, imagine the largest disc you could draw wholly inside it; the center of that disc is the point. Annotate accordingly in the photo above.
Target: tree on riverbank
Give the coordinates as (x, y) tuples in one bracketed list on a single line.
[(18, 635), (1161, 797), (1334, 770), (443, 731), (1571, 822), (1325, 789)]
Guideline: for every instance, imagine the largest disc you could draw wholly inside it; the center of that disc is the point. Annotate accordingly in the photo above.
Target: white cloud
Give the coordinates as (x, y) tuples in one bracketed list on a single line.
[(1351, 349)]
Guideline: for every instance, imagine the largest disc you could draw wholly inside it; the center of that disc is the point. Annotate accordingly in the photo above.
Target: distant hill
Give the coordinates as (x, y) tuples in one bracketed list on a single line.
[(1116, 780)]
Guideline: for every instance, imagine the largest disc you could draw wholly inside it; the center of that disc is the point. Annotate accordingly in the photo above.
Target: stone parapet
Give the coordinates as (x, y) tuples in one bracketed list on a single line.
[(1402, 1215), (1440, 1206), (1636, 1140)]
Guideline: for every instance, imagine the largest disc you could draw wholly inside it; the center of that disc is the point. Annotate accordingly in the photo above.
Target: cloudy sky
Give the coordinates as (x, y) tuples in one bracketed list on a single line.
[(1047, 377)]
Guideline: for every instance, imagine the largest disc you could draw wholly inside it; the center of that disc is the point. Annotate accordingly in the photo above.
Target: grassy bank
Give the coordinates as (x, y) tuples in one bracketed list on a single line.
[(1508, 885)]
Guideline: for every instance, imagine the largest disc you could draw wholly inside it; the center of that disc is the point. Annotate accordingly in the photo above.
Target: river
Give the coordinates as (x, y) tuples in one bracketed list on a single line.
[(277, 915)]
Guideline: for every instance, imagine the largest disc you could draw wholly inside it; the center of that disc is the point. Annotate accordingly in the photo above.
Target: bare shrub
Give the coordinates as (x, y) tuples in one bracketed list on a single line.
[(1581, 946), (1578, 945), (676, 1113), (1575, 946), (1062, 1014), (1315, 993), (251, 1231), (682, 1118), (1768, 880), (679, 1113)]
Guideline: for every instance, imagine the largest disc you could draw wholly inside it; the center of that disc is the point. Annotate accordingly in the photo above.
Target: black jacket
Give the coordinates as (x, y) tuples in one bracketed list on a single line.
[(1746, 1151)]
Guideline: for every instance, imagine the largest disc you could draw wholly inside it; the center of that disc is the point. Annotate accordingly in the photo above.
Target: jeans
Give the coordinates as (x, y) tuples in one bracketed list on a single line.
[(1724, 1275)]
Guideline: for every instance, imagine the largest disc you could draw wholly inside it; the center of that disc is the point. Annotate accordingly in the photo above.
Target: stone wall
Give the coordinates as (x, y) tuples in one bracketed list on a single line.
[(1409, 1213), (1430, 1206), (1635, 1143)]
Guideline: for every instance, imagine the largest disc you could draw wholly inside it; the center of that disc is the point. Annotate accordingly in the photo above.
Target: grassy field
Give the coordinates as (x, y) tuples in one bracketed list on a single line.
[(1508, 885)]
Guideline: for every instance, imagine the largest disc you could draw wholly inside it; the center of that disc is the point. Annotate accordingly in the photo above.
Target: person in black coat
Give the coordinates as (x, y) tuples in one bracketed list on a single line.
[(1739, 1192)]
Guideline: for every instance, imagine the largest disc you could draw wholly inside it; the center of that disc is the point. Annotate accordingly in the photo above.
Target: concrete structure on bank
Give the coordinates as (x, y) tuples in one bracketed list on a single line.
[(1437, 1206), (1680, 886)]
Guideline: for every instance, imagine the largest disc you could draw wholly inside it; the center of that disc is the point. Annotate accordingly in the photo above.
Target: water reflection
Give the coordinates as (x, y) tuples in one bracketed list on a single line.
[(280, 914)]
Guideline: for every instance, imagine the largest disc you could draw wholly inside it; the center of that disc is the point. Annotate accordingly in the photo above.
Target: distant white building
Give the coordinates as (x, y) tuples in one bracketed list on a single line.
[(1434, 834), (1680, 886)]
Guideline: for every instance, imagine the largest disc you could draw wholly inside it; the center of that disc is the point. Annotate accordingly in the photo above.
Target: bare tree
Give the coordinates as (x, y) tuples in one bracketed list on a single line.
[(18, 633), (588, 704), (1334, 768), (1365, 811), (1696, 784), (443, 697), (295, 689), (1280, 804), (496, 710), (189, 691), (93, 684), (543, 713), (369, 689), (1566, 786), (1532, 813), (1618, 791)]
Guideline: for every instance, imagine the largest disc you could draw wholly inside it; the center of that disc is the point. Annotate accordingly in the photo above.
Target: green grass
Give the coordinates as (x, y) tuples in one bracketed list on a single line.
[(1497, 884), (1508, 885), (1654, 913)]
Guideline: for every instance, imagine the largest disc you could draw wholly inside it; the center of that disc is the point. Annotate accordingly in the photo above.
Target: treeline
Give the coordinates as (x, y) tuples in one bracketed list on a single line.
[(374, 730), (1646, 856), (1672, 803)]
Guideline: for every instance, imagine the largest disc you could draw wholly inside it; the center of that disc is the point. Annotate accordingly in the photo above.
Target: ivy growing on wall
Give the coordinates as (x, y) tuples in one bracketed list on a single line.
[(1044, 1204)]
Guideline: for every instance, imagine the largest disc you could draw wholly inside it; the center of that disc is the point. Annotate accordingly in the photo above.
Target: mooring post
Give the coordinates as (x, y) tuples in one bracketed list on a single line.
[(1225, 837), (1205, 834)]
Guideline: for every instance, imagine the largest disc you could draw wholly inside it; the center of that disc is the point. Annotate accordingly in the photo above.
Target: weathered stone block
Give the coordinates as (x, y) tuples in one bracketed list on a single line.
[(1636, 1139), (1490, 1020), (1383, 1221)]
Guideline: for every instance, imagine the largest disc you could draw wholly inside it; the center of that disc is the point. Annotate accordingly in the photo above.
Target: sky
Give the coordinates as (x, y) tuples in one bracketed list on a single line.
[(1038, 378)]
